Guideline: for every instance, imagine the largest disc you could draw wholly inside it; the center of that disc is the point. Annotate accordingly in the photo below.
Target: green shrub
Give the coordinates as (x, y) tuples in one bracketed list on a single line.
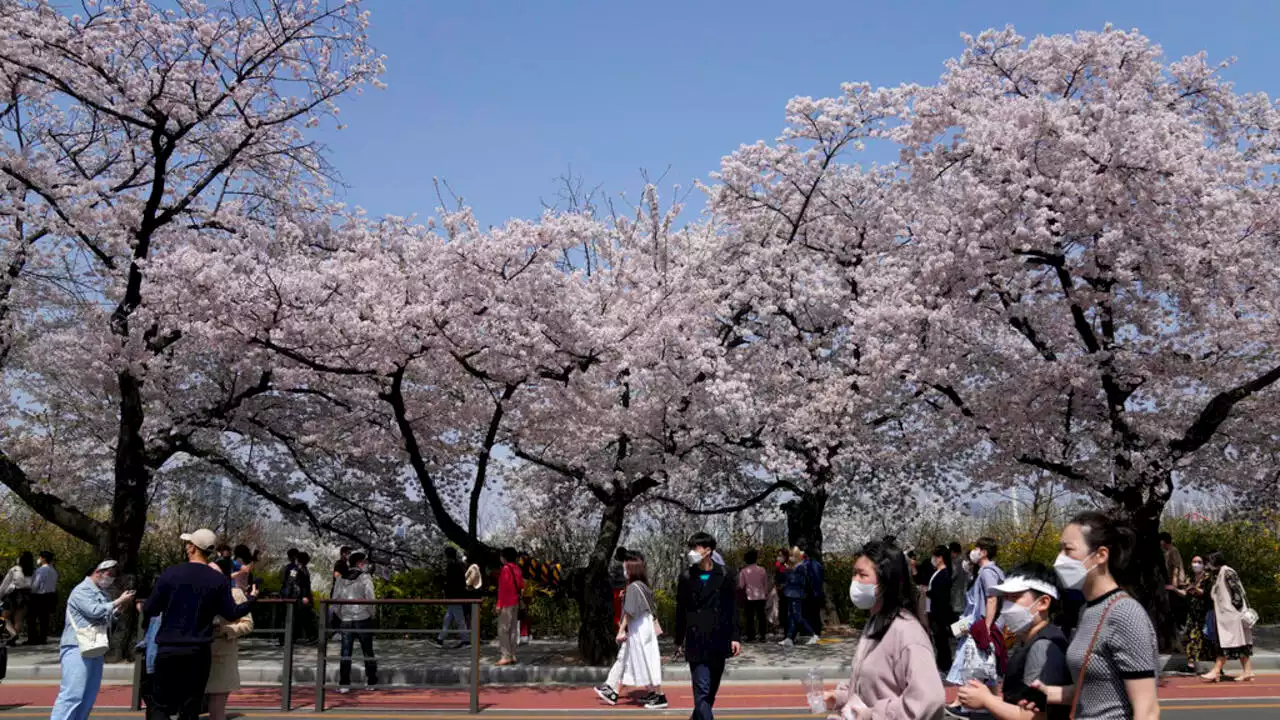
[(1252, 549)]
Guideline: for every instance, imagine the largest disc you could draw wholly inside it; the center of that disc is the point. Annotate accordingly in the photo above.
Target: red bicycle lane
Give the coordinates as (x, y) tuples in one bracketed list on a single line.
[(773, 696)]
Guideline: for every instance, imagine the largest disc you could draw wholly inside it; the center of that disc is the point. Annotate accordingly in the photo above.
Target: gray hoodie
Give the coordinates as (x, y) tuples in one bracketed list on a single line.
[(355, 585)]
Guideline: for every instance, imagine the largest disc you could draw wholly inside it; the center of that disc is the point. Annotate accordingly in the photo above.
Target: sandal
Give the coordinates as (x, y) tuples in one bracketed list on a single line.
[(1211, 678), (1247, 678)]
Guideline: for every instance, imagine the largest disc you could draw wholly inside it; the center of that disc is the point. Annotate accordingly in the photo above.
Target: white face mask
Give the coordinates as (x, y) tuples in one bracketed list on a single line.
[(862, 595), (1197, 567), (975, 555), (104, 582), (695, 557), (1070, 571), (1014, 617)]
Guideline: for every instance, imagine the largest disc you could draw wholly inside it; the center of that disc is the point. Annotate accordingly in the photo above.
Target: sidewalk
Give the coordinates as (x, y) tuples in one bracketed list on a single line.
[(418, 662)]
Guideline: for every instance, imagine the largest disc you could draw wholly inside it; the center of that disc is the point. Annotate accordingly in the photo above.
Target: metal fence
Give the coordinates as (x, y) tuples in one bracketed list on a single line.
[(322, 655), (289, 607)]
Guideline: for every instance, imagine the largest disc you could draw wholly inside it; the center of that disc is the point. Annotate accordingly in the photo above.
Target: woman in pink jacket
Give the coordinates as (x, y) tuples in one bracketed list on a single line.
[(895, 676)]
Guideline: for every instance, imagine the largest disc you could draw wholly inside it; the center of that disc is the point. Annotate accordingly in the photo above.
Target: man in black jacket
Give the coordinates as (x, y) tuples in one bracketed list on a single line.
[(455, 588), (938, 602), (706, 622)]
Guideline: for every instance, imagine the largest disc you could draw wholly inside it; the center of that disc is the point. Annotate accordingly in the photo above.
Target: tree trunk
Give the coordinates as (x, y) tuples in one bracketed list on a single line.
[(594, 592), (804, 521), (1146, 574)]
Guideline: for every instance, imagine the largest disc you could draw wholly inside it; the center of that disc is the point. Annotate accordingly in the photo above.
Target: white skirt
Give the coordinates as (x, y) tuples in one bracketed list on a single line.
[(639, 656)]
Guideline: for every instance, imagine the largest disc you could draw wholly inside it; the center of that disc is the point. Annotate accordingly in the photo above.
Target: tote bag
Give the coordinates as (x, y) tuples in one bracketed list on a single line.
[(93, 639)]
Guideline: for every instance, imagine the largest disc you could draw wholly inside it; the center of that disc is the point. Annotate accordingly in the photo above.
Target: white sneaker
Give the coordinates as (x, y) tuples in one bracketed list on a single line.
[(370, 688), (344, 690), (814, 640), (786, 643)]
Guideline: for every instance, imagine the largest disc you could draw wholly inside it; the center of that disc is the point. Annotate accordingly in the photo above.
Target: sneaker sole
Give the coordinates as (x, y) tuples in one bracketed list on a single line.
[(606, 698)]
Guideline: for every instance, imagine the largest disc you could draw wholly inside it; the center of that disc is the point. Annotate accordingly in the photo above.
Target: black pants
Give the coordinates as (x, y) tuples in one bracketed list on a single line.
[(705, 677), (177, 688), (813, 613), (940, 628), (757, 626), (40, 617), (366, 649), (305, 627)]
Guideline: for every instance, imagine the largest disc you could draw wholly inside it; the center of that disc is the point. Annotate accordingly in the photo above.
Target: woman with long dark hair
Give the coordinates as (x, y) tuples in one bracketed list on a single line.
[(15, 592), (639, 662), (1113, 657), (894, 671)]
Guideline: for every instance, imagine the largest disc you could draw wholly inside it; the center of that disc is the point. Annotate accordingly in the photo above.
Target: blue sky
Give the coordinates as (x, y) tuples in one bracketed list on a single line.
[(500, 98)]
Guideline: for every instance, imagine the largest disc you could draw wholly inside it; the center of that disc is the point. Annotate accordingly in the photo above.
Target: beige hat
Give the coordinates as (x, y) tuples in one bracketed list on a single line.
[(202, 538), (473, 579)]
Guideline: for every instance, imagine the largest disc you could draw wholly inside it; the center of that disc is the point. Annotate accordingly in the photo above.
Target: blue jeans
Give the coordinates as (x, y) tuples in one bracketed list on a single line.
[(705, 677), (796, 619), (366, 648), (81, 678), (454, 617)]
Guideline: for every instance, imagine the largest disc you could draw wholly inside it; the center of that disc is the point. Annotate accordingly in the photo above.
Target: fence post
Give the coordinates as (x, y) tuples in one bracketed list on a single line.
[(139, 669), (475, 658), (286, 689), (322, 649)]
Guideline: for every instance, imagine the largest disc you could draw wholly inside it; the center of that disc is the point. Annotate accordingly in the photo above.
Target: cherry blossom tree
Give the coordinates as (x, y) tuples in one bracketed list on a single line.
[(1094, 291), (810, 400), (130, 131)]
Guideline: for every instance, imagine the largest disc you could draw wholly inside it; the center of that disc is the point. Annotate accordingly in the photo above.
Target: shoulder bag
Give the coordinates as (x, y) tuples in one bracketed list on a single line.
[(93, 639)]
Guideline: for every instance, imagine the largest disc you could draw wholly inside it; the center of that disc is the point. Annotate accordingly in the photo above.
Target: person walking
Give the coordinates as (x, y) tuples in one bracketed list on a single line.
[(187, 598), (753, 584), (639, 662), (1233, 619), (938, 606), (959, 578), (1039, 654), (44, 600), (307, 629), (510, 585), (340, 568), (796, 591), (91, 612), (358, 621), (1113, 658), (980, 607), (15, 593), (707, 631), (781, 570), (1199, 645), (894, 674), (816, 594), (455, 588), (224, 670)]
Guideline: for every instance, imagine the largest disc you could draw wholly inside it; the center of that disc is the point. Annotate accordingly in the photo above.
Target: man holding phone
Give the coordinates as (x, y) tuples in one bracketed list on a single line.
[(187, 598)]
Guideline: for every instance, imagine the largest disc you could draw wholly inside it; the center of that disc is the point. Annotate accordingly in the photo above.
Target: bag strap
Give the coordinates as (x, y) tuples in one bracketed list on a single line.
[(1088, 654)]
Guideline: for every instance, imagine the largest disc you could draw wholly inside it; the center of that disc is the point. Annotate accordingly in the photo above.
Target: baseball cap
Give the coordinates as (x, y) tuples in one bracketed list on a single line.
[(202, 538), (1017, 584), (105, 565)]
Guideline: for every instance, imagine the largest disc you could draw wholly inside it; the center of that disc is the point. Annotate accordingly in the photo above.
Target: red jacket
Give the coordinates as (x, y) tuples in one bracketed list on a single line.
[(510, 585)]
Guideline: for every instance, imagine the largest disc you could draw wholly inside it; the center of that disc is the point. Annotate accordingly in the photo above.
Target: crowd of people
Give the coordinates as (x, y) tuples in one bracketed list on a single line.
[(1031, 643)]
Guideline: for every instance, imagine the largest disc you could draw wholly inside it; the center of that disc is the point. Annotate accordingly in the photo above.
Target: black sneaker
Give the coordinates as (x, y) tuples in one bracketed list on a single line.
[(655, 701), (607, 694)]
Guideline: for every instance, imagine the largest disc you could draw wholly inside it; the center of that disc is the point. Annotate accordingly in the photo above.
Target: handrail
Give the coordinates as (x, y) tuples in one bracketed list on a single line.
[(405, 601), (322, 648)]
